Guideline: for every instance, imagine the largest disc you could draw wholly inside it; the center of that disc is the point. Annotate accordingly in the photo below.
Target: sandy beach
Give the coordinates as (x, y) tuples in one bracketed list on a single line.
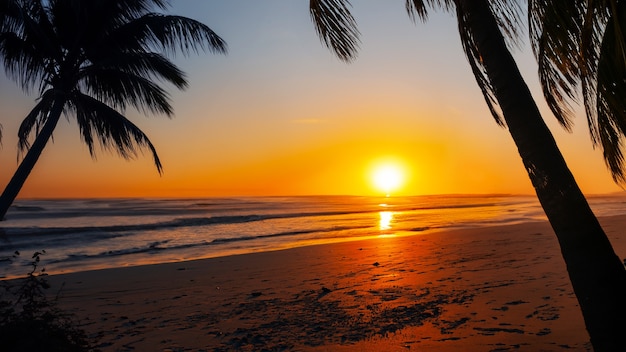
[(486, 289)]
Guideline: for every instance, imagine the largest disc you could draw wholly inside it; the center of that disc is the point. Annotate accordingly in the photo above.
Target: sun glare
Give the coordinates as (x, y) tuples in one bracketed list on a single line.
[(388, 177), (385, 220)]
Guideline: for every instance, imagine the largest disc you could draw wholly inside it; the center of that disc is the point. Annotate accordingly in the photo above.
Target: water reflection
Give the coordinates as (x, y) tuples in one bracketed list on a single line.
[(386, 217)]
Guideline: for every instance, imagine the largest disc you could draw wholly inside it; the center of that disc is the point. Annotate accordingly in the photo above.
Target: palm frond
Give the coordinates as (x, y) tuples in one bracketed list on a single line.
[(610, 96), (581, 45), (77, 26), (113, 131), (35, 119), (336, 27), (20, 60), (10, 14), (131, 9), (166, 33), (418, 8), (553, 27), (24, 43), (508, 15), (148, 65), (474, 58), (121, 89)]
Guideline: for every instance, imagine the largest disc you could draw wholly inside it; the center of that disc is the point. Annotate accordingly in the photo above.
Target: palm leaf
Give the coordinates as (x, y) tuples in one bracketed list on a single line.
[(474, 58), (113, 131), (121, 89), (580, 48), (24, 43), (508, 16), (418, 8), (166, 33), (10, 15), (610, 95), (336, 27), (35, 119), (554, 25), (149, 65)]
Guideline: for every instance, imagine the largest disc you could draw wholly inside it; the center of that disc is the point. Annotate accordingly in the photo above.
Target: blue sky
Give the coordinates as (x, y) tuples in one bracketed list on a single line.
[(281, 115)]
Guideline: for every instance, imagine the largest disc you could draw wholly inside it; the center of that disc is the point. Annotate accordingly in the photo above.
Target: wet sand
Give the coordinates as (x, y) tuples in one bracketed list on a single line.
[(488, 289)]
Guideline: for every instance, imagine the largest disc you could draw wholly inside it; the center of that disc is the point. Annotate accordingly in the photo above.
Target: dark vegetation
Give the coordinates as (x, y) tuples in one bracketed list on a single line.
[(31, 321)]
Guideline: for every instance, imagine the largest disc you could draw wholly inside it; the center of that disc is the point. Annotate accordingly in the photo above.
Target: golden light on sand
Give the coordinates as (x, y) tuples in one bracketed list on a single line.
[(388, 177)]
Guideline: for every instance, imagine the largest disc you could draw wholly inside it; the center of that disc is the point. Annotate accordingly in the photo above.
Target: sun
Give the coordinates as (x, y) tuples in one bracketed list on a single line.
[(388, 177)]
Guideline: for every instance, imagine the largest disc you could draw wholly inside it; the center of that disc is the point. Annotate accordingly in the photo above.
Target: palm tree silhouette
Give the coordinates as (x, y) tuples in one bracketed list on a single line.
[(90, 60), (597, 274)]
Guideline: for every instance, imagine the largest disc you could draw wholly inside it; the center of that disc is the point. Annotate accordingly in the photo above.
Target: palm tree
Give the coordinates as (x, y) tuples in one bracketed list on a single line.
[(597, 274), (90, 60)]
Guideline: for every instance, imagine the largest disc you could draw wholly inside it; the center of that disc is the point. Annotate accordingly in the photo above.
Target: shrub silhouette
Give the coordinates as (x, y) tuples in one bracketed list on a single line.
[(30, 321)]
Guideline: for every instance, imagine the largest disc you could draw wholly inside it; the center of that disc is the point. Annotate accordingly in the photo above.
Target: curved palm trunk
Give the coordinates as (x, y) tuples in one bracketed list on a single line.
[(597, 274), (26, 166)]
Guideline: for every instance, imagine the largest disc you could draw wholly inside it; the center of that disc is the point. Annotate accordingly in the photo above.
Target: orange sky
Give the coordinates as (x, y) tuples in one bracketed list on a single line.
[(279, 115)]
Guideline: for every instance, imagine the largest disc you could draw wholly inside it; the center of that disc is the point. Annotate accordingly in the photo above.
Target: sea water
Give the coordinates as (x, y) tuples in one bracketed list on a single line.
[(84, 234)]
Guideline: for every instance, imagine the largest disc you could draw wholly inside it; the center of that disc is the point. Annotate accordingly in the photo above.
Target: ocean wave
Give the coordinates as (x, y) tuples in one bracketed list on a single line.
[(42, 210), (27, 208), (181, 222), (160, 246), (176, 223), (220, 220)]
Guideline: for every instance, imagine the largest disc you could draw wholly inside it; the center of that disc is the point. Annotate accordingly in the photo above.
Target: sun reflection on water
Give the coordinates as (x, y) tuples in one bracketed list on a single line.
[(385, 220)]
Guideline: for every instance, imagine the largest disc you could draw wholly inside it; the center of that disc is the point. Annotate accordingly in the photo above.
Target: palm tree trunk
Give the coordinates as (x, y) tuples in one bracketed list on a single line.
[(26, 166), (596, 272)]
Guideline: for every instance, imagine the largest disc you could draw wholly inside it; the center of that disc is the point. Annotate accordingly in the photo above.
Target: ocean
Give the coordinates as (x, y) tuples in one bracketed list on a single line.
[(86, 234)]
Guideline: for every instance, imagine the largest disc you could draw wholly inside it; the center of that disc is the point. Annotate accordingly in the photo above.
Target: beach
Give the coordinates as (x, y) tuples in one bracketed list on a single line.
[(304, 200), (499, 288)]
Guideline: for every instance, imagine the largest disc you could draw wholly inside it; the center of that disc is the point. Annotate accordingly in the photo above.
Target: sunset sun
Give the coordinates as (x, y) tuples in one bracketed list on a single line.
[(388, 177)]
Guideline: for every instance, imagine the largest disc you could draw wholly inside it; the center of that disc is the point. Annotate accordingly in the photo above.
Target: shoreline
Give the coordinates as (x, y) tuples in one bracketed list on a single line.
[(495, 288), (79, 236)]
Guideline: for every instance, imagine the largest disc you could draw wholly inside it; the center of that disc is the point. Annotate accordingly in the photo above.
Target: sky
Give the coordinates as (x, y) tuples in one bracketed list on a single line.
[(281, 115)]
